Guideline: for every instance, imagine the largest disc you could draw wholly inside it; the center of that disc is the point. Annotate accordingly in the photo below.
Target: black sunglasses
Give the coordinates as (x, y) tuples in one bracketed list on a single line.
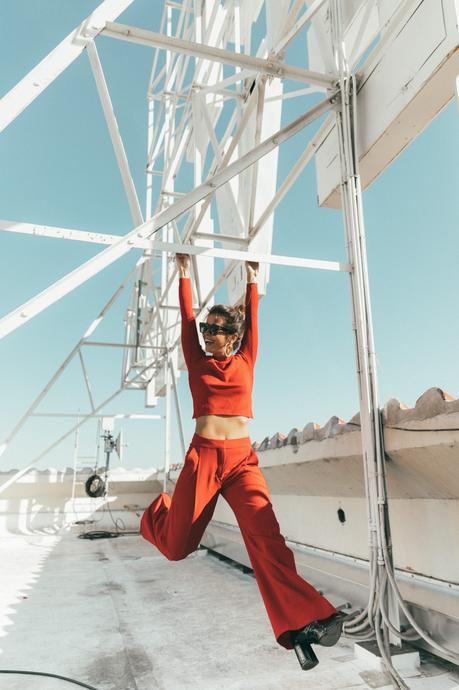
[(213, 328)]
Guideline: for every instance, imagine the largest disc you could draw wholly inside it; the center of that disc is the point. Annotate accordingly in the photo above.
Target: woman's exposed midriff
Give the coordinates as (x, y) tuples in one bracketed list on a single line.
[(222, 426)]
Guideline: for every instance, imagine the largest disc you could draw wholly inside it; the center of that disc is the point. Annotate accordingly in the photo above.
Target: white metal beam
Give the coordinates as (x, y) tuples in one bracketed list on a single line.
[(79, 415), (90, 268), (56, 232), (220, 237), (270, 67), (86, 380), (41, 76), (229, 81), (292, 176), (100, 238), (94, 343), (212, 252), (302, 21), (114, 132)]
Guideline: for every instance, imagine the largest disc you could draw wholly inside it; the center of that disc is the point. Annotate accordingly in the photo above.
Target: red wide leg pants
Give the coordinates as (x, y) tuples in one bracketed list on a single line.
[(176, 525)]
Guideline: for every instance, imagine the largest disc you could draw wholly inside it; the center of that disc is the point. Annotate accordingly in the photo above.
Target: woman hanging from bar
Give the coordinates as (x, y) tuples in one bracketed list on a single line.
[(221, 460)]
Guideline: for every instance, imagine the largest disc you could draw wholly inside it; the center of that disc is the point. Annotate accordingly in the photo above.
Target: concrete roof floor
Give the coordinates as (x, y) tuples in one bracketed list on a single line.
[(116, 614)]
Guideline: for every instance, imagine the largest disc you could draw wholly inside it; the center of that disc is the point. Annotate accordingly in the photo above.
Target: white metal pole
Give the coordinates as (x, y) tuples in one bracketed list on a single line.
[(371, 436), (167, 426), (75, 464), (86, 379), (114, 132), (177, 407)]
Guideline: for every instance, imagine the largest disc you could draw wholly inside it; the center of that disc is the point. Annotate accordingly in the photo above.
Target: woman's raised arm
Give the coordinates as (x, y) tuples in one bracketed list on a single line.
[(192, 350), (249, 343)]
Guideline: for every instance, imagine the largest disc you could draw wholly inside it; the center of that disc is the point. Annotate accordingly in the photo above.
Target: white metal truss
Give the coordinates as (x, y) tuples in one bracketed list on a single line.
[(214, 105)]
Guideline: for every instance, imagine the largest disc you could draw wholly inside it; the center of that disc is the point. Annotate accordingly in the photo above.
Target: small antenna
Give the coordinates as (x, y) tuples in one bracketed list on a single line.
[(119, 446), (96, 485)]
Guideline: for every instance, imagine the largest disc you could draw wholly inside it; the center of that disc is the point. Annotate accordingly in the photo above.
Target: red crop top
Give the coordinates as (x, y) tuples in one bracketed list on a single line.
[(220, 386)]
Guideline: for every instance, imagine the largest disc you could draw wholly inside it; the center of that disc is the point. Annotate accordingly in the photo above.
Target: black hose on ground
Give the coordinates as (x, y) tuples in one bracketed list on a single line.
[(52, 675)]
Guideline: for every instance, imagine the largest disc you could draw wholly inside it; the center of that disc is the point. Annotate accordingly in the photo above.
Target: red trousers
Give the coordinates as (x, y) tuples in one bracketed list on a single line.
[(176, 525)]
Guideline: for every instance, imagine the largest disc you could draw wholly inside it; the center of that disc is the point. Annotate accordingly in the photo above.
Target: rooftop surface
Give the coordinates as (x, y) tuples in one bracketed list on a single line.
[(115, 614)]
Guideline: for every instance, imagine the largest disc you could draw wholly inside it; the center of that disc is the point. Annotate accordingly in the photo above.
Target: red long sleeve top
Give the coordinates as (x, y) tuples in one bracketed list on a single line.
[(220, 386)]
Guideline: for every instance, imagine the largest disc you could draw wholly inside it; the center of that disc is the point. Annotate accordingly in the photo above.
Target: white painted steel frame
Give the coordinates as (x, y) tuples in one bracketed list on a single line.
[(271, 67), (117, 415), (90, 268), (115, 136), (194, 250), (41, 76), (82, 420), (87, 334)]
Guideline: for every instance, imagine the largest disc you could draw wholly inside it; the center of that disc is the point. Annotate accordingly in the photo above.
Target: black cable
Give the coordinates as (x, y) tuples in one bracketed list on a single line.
[(52, 675), (98, 534), (404, 428), (104, 534), (115, 520)]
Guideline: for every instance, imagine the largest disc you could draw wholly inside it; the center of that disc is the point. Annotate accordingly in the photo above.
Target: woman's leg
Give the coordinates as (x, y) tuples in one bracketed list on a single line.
[(175, 525), (290, 601)]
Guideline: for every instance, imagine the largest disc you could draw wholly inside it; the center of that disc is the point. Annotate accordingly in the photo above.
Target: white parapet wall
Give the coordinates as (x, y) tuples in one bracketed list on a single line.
[(41, 500), (316, 480)]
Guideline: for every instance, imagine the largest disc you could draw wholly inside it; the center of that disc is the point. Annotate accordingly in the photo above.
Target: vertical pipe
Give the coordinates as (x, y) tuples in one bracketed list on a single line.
[(75, 463), (177, 407), (371, 435), (167, 233), (149, 178), (167, 431)]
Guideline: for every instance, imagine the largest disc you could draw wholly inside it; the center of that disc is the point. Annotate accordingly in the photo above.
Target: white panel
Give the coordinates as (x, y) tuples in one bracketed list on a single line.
[(265, 189), (212, 38), (276, 13), (401, 93), (108, 423), (158, 384), (320, 54), (361, 24), (250, 9), (201, 138), (151, 400), (386, 10)]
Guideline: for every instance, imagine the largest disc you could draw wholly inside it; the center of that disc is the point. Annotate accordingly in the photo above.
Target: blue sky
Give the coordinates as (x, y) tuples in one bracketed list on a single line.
[(59, 169)]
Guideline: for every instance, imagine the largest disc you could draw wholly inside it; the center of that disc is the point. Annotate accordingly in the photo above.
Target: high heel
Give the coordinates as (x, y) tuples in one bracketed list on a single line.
[(304, 651), (325, 632)]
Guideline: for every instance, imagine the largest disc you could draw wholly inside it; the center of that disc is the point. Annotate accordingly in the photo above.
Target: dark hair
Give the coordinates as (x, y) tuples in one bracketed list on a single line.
[(234, 319)]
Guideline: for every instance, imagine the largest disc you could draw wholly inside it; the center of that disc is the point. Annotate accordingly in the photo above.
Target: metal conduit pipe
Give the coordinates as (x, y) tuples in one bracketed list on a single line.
[(383, 586)]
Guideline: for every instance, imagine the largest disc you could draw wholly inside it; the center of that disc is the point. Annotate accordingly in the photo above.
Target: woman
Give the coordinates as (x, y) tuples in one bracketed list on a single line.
[(220, 460)]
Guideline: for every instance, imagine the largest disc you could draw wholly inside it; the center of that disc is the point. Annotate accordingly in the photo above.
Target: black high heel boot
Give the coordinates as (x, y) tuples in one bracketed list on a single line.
[(303, 651), (325, 632)]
